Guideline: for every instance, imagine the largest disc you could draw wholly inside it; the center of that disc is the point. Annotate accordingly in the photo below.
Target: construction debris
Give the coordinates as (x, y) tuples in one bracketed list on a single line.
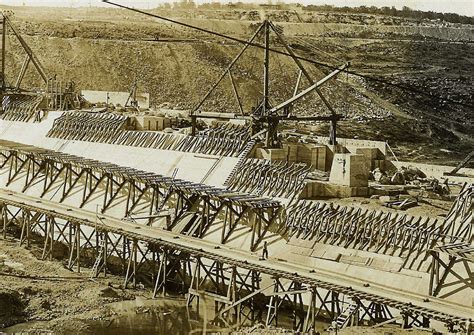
[(401, 204)]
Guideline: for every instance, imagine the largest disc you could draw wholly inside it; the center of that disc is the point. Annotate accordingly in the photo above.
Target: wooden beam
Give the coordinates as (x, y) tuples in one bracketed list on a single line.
[(238, 302), (308, 90)]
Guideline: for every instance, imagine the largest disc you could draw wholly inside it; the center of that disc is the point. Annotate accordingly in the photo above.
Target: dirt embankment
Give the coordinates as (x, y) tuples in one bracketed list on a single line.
[(50, 297), (179, 74), (106, 49), (347, 30)]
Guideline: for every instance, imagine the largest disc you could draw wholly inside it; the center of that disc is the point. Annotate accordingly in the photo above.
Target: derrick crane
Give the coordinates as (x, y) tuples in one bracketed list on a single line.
[(264, 118), (29, 58), (55, 95)]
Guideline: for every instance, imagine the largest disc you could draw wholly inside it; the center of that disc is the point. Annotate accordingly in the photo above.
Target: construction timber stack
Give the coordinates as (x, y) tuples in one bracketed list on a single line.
[(193, 213)]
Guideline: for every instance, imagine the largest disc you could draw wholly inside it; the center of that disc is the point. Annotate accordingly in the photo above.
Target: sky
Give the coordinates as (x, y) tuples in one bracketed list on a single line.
[(464, 7)]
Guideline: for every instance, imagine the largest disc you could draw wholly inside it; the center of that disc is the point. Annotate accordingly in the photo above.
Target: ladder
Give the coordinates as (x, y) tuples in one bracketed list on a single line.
[(98, 260), (344, 318)]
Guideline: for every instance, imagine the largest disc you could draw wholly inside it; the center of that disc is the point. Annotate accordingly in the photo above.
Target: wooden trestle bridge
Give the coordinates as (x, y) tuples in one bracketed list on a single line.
[(154, 228)]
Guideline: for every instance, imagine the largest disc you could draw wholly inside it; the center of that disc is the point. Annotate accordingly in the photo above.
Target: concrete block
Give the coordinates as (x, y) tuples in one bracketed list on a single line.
[(353, 144), (277, 154), (372, 154), (379, 163), (321, 189), (150, 122), (291, 151), (318, 157), (349, 170), (272, 154)]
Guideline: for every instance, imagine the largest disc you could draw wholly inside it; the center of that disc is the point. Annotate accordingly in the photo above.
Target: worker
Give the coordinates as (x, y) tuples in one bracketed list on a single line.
[(265, 250)]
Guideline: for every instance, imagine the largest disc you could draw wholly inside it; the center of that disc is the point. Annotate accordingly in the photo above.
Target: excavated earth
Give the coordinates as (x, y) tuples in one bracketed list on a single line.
[(50, 297), (43, 297), (109, 49)]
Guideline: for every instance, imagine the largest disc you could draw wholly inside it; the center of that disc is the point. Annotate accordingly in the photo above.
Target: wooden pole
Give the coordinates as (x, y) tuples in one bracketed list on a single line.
[(4, 48)]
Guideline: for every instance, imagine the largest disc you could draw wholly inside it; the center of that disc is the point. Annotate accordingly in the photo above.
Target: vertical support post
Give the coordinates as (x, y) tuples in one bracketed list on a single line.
[(161, 275), (310, 320), (233, 295), (132, 265), (298, 308), (130, 197), (335, 310), (51, 231), (425, 322), (125, 251), (405, 323), (204, 218), (255, 223), (432, 274), (5, 220), (224, 224), (153, 203), (266, 62), (25, 228), (78, 246), (177, 209), (255, 286), (4, 47), (217, 285), (70, 244), (48, 237), (198, 279), (74, 245), (106, 245), (193, 124), (332, 129), (109, 184), (355, 318), (135, 254), (272, 313)]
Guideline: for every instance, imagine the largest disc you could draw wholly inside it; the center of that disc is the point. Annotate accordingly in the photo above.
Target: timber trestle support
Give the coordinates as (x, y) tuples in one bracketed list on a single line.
[(242, 291), (138, 196)]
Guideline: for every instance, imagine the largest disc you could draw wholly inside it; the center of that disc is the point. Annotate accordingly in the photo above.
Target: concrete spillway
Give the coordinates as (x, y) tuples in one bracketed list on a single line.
[(190, 166), (354, 272)]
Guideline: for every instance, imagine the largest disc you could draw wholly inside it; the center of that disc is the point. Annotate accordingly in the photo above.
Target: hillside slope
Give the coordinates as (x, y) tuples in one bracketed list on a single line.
[(110, 49)]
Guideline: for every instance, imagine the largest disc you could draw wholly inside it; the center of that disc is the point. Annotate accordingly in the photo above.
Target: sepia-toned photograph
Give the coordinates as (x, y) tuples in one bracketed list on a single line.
[(236, 167)]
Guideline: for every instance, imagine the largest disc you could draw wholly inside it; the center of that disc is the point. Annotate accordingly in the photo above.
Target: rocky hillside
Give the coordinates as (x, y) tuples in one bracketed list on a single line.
[(109, 49)]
